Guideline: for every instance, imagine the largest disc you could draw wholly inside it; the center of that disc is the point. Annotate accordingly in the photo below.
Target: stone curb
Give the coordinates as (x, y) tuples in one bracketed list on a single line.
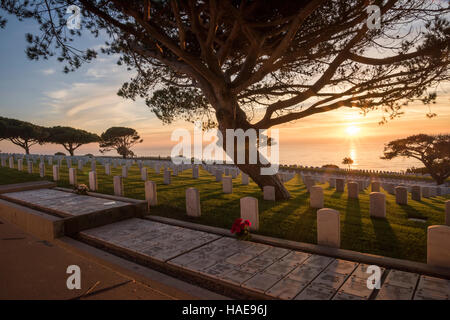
[(26, 186)]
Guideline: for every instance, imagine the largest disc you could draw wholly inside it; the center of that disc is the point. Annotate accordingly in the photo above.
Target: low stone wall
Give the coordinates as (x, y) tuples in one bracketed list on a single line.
[(37, 223)]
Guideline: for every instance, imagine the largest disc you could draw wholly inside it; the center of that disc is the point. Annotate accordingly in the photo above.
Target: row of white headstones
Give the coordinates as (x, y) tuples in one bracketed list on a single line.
[(328, 220)]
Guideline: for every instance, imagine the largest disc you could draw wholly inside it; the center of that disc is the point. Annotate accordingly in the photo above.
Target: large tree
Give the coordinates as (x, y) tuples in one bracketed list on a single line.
[(2, 129), (22, 134), (257, 64), (120, 139), (432, 150), (70, 138)]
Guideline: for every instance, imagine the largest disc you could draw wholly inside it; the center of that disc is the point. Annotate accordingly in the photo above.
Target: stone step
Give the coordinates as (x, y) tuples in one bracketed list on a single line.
[(254, 270)]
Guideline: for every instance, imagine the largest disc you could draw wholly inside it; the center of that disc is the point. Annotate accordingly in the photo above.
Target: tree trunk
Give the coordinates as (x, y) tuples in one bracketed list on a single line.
[(236, 119), (439, 179), (254, 171)]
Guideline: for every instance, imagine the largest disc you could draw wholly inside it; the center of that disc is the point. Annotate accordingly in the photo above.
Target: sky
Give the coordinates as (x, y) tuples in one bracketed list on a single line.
[(39, 92)]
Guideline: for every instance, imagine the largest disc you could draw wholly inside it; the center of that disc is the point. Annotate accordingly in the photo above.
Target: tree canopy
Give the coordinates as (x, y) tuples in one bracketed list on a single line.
[(432, 150), (120, 139), (257, 64), (70, 138), (348, 161), (2, 129), (21, 133)]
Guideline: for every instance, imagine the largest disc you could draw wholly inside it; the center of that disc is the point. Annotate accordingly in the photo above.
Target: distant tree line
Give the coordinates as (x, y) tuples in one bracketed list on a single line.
[(25, 135)]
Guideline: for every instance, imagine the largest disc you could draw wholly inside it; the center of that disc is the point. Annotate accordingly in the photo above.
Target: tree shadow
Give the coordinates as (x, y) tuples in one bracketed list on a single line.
[(412, 212), (428, 204), (337, 195), (385, 237), (352, 229)]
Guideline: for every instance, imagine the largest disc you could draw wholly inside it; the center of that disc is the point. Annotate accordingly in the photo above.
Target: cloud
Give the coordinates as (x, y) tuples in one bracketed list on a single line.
[(48, 72), (95, 106)]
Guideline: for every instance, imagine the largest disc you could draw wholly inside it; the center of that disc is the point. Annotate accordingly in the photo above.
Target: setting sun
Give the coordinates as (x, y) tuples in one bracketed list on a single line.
[(352, 130)]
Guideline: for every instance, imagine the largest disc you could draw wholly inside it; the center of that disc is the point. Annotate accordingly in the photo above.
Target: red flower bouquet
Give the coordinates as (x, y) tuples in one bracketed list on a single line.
[(241, 227)]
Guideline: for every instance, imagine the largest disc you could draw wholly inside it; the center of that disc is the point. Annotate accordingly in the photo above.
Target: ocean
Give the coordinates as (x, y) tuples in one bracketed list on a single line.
[(365, 152)]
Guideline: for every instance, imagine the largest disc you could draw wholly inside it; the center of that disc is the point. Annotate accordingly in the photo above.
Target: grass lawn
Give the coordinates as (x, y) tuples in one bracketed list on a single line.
[(395, 236)]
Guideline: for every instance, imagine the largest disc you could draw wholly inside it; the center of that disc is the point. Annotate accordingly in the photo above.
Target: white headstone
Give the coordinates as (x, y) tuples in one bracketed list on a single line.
[(144, 174), (353, 190), (195, 172), (107, 169), (30, 166), (227, 184), (309, 182), (316, 197), (426, 192), (193, 208), (269, 193), (375, 186), (218, 174), (93, 182), (151, 193), (167, 177), (438, 246), (377, 207), (244, 179), (328, 228), (250, 211), (55, 172), (118, 186), (401, 195), (416, 193), (340, 185), (72, 176), (125, 171), (332, 182), (42, 169)]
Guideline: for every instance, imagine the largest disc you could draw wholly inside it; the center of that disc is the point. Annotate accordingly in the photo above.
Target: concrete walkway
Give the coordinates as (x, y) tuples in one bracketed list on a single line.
[(254, 269), (35, 269)]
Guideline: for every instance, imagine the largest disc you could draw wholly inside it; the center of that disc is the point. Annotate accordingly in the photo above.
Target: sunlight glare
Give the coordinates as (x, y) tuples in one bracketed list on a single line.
[(352, 130)]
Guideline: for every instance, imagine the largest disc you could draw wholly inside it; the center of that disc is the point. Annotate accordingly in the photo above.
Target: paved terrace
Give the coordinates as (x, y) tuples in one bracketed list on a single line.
[(62, 203), (257, 269)]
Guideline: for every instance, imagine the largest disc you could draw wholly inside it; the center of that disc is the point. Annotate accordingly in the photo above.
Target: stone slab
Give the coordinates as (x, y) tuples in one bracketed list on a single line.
[(304, 273), (286, 289), (237, 277), (330, 280), (357, 287), (342, 266), (390, 292), (402, 279), (315, 292), (65, 203), (318, 261), (261, 282), (346, 296)]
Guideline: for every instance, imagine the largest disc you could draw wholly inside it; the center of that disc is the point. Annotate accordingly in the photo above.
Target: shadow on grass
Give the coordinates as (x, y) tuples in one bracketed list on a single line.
[(352, 228), (337, 195), (412, 212), (432, 206), (386, 238)]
